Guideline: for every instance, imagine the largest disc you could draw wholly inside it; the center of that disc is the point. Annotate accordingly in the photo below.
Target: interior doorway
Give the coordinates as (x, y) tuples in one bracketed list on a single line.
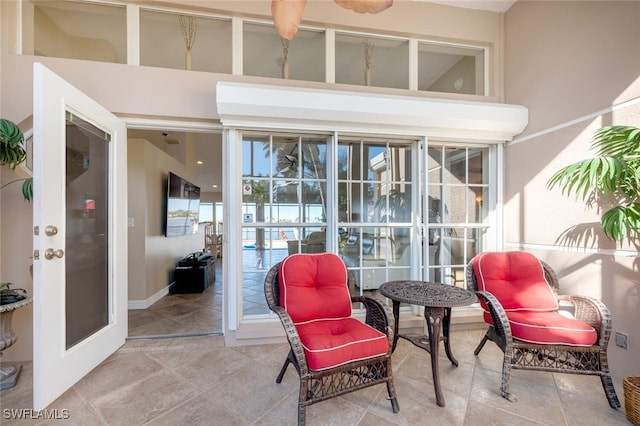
[(156, 308)]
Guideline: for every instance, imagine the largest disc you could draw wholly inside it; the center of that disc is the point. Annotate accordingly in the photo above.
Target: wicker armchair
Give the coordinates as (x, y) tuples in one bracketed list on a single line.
[(347, 376), (557, 358)]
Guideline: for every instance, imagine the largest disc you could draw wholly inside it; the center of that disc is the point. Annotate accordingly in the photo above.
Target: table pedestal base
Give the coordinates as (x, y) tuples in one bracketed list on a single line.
[(437, 299), (438, 325)]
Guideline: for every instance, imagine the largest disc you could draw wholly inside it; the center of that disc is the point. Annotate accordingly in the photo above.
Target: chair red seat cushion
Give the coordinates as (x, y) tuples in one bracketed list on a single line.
[(549, 328), (330, 343)]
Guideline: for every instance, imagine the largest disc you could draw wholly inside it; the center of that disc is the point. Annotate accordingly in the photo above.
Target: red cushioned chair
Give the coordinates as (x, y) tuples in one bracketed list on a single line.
[(333, 353), (519, 294)]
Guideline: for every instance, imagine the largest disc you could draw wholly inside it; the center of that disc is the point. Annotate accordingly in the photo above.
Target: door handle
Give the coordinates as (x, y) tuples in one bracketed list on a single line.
[(51, 230), (51, 253)]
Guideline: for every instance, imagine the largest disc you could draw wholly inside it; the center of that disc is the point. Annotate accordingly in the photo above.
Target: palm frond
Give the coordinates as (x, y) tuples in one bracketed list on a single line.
[(617, 141), (613, 172)]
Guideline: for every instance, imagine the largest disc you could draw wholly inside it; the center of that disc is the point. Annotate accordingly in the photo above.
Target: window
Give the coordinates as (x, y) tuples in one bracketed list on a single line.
[(375, 208), (171, 33), (372, 61), (451, 69), (284, 204), (75, 30), (458, 204), (371, 211), (265, 54), (98, 31)]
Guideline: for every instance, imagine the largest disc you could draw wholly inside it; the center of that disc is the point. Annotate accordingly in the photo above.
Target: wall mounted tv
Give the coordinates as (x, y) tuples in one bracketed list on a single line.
[(183, 207)]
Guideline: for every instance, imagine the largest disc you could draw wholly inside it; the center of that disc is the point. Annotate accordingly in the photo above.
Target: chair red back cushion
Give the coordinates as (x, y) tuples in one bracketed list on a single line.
[(314, 287), (516, 279)]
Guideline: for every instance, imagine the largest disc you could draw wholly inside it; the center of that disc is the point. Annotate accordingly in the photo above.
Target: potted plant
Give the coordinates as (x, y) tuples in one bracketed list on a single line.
[(10, 295), (13, 152), (613, 175)]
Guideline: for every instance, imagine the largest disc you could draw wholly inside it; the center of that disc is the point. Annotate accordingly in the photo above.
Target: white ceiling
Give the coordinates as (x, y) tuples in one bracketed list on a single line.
[(189, 148), (490, 5)]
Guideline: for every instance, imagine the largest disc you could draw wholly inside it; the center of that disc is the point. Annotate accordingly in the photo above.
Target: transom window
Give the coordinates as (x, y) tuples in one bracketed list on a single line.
[(209, 42)]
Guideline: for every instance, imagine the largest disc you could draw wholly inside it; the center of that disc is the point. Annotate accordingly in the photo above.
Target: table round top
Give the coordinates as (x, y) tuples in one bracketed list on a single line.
[(426, 293)]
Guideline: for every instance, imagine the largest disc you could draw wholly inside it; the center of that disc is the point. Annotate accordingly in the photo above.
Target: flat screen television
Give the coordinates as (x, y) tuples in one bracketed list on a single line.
[(183, 207)]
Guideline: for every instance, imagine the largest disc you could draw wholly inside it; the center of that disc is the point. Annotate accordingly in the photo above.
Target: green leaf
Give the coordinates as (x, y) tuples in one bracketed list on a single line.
[(614, 172), (27, 189)]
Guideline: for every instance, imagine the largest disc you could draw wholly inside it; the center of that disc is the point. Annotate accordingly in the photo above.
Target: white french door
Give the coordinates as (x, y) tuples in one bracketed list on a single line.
[(80, 239)]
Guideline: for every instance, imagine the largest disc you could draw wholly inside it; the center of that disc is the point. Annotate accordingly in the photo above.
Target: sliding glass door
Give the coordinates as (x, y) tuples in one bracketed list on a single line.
[(391, 208)]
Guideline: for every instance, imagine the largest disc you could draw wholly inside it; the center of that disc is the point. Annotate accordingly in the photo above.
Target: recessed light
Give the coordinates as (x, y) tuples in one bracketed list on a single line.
[(199, 162), (215, 186)]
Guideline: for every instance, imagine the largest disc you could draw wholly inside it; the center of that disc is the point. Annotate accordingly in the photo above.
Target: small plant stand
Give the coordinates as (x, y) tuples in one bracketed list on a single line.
[(9, 374)]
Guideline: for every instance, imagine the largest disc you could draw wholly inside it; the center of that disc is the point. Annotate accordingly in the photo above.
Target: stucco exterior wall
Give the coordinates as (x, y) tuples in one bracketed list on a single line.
[(576, 66)]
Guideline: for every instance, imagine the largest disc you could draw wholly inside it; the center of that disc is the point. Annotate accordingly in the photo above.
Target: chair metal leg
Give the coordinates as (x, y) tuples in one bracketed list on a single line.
[(284, 367), (610, 391), (392, 396), (481, 344)]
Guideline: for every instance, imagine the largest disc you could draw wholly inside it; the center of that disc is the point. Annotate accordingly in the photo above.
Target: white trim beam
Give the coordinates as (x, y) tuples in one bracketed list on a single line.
[(257, 105)]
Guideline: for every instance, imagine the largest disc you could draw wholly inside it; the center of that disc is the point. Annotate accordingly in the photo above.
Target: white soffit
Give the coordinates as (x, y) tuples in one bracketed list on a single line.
[(267, 106)]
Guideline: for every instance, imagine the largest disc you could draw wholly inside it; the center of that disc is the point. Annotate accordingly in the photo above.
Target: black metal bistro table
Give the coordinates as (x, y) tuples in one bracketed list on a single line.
[(437, 299)]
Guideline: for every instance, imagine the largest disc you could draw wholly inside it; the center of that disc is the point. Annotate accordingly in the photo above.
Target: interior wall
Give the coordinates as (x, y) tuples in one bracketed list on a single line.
[(574, 64), (152, 256), (15, 263)]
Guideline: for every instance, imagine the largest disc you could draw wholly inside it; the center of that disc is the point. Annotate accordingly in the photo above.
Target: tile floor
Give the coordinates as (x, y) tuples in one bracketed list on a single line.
[(180, 314), (199, 381), (196, 380)]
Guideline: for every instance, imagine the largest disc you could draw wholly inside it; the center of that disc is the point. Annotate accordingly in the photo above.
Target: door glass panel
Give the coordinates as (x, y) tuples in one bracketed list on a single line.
[(255, 156), (285, 157), (458, 191), (374, 221), (284, 205), (87, 230), (314, 158)]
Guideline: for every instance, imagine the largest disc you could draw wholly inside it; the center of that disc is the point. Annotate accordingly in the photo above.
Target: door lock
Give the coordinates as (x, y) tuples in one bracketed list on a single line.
[(51, 253), (50, 230)]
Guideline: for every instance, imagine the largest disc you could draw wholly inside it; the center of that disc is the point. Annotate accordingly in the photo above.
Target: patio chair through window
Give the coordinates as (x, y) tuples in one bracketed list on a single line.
[(519, 294), (332, 352)]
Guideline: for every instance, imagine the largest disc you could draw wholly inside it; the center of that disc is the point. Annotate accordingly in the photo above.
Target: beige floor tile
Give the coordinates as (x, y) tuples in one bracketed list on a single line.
[(144, 400), (479, 414), (117, 374), (252, 391), (195, 380), (206, 369), (200, 410), (532, 389)]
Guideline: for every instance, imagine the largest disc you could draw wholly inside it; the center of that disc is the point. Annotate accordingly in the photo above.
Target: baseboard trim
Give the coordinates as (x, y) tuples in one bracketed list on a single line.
[(145, 303)]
